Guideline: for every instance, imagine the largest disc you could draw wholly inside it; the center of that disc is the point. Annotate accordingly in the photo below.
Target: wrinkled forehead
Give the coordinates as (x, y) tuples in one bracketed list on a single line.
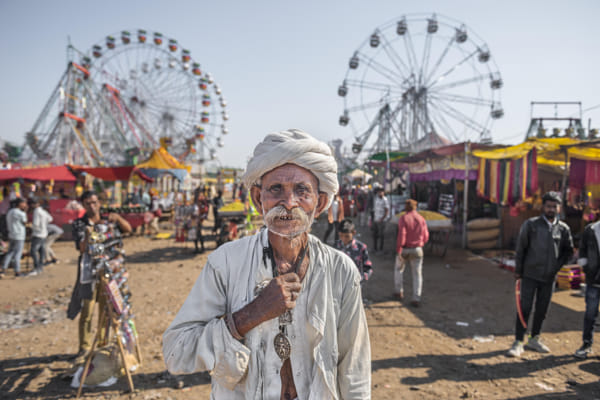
[(289, 174)]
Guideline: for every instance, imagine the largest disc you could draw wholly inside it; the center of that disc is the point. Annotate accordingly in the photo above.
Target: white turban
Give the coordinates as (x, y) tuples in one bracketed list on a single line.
[(294, 147)]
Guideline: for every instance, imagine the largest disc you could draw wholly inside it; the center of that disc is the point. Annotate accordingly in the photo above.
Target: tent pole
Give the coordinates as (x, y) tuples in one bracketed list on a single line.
[(564, 184), (466, 195)]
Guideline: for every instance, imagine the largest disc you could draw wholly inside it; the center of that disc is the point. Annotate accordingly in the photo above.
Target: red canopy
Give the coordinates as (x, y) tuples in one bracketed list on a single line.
[(57, 174), (106, 173)]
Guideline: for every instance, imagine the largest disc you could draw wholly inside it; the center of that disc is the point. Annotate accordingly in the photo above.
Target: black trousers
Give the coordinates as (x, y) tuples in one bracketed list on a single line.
[(330, 227), (199, 237), (542, 293)]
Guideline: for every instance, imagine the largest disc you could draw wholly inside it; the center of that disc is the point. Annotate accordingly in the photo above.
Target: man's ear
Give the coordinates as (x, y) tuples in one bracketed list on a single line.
[(322, 203), (256, 200)]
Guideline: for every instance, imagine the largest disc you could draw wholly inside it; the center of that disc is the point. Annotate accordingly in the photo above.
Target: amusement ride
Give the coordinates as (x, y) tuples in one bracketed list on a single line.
[(417, 82), (124, 97)]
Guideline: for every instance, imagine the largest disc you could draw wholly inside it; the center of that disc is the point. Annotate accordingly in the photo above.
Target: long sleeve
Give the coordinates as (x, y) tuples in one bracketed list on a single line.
[(354, 359), (401, 239), (522, 243), (198, 338), (567, 247), (425, 231), (37, 222), (583, 250)]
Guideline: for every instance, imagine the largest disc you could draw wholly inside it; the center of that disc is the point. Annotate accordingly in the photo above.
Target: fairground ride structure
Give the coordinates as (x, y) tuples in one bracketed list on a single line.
[(125, 96)]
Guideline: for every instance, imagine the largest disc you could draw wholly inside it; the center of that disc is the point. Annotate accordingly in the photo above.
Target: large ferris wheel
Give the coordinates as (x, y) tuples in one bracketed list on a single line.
[(418, 82), (126, 96)]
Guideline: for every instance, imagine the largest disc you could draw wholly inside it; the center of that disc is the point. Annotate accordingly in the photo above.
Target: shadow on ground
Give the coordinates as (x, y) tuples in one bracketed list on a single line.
[(19, 379)]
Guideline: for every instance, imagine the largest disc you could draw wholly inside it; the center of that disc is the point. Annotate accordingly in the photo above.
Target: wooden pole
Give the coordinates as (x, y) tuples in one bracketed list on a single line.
[(564, 184), (466, 195)]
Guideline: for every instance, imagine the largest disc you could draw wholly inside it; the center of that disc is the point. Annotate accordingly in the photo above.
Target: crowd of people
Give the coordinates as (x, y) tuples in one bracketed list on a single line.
[(280, 313), (14, 227)]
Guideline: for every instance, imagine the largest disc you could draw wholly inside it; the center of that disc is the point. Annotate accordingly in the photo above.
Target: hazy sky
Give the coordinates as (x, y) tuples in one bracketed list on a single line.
[(279, 63)]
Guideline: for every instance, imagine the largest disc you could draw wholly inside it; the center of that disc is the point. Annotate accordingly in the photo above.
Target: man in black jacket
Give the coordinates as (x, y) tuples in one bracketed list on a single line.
[(543, 247), (589, 259)]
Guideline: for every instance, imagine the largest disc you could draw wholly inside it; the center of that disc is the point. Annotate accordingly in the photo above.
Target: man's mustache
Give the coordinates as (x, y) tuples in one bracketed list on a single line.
[(280, 212)]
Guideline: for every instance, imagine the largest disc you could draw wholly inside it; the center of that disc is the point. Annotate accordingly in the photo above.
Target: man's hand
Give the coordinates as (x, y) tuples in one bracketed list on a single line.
[(113, 217), (280, 295)]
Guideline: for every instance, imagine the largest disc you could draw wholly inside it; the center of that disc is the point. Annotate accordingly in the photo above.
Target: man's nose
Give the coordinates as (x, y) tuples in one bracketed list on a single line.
[(288, 200)]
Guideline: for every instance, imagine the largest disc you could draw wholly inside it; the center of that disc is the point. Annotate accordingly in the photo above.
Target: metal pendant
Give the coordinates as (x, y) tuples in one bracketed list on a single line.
[(283, 348), (285, 318)]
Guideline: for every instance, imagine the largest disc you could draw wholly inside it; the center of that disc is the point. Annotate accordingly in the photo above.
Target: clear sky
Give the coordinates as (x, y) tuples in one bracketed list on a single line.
[(279, 63)]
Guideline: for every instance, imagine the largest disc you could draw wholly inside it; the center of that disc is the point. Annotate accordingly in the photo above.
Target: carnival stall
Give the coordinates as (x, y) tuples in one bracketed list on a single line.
[(514, 177)]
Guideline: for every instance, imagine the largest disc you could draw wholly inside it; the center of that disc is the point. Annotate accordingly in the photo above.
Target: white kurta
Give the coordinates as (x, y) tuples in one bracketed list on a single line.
[(331, 355)]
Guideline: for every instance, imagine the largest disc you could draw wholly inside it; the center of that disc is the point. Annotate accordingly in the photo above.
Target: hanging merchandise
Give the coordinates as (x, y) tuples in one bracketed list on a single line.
[(109, 357), (508, 181), (584, 176)]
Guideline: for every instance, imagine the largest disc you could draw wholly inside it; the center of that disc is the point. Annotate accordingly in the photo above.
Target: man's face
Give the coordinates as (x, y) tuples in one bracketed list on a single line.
[(380, 193), (22, 206), (288, 199), (346, 237), (550, 209), (91, 205)]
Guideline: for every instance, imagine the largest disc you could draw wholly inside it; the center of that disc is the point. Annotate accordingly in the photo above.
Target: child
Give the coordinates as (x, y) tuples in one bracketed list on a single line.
[(354, 248)]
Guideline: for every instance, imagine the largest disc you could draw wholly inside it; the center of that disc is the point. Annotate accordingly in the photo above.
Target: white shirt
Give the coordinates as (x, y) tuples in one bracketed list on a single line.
[(334, 209), (381, 203), (331, 356), (15, 223), (40, 220)]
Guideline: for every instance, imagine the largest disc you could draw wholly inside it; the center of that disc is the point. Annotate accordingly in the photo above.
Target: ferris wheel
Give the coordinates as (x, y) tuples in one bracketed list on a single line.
[(126, 96), (419, 82)]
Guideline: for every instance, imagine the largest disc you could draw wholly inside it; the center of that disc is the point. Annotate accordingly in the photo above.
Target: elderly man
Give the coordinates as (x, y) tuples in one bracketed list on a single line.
[(278, 315)]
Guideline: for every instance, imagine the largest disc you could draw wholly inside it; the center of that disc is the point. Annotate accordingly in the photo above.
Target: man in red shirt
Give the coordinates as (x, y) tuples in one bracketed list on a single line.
[(412, 236)]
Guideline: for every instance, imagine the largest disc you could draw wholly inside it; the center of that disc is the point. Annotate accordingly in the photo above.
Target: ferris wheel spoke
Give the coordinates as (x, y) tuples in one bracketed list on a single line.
[(439, 120), (161, 109), (385, 71), (462, 99), (460, 116), (439, 60), (394, 56), (377, 86), (410, 51), (425, 61), (141, 127), (362, 107), (461, 82), (453, 68)]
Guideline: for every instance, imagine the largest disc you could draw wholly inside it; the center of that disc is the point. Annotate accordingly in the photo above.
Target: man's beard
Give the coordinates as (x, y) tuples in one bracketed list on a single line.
[(281, 222), (550, 215)]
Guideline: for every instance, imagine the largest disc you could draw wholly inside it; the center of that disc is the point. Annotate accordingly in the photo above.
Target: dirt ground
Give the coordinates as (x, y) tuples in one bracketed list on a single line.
[(417, 353)]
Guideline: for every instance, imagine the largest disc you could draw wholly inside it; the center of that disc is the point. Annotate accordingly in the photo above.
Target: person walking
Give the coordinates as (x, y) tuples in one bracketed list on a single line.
[(589, 260), (39, 232), (15, 223), (217, 202), (54, 232), (544, 245), (335, 215), (381, 209), (200, 215), (412, 236)]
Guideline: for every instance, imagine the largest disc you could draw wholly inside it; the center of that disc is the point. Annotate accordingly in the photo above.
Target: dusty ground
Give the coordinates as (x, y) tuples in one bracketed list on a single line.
[(417, 353)]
